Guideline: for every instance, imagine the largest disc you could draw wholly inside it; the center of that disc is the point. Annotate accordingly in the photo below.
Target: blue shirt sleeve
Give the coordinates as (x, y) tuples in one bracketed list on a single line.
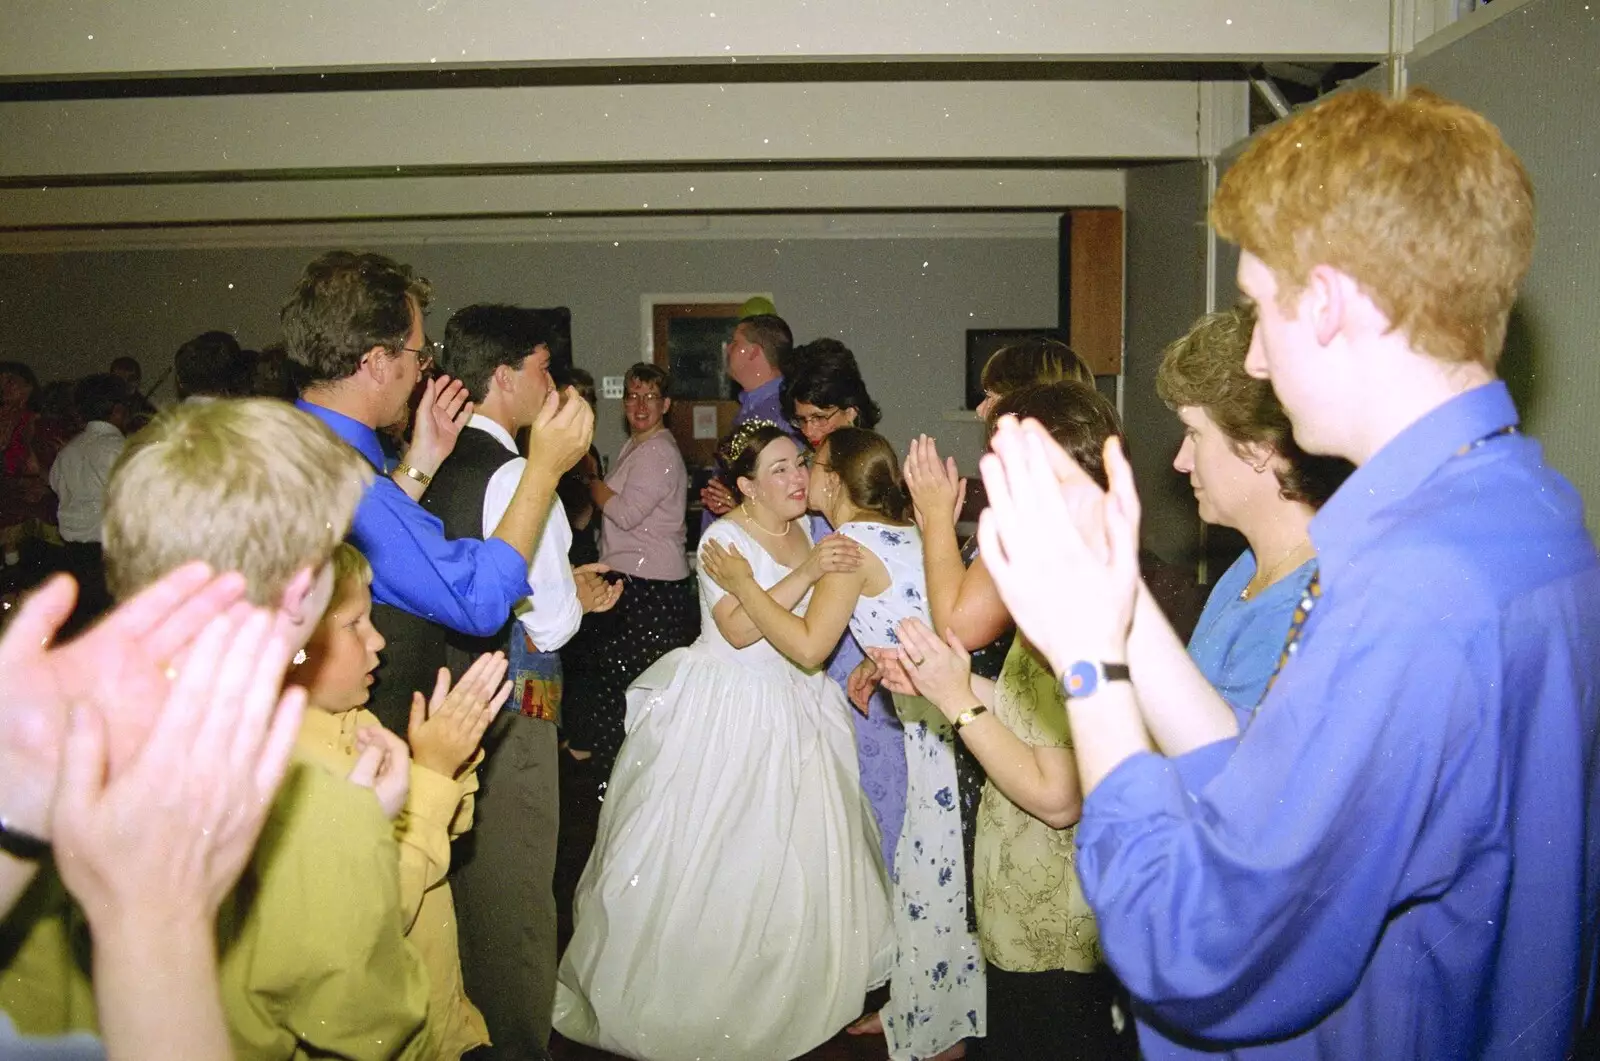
[(1246, 908), (465, 584)]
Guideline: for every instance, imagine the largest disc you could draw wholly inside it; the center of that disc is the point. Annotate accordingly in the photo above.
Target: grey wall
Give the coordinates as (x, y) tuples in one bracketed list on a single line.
[(1533, 73), (1166, 291), (902, 304)]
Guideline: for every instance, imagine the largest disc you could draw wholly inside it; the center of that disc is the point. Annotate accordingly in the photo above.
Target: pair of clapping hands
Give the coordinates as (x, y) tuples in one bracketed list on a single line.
[(558, 438)]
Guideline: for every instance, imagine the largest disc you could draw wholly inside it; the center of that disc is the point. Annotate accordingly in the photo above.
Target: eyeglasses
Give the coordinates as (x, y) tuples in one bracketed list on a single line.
[(635, 399), (426, 356), (815, 419)]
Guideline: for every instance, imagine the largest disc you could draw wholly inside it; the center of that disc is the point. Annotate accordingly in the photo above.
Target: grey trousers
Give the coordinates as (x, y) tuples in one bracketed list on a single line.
[(501, 874)]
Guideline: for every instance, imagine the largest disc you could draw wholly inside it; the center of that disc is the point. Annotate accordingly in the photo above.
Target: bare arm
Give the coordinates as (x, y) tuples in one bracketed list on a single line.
[(441, 414), (833, 553), (807, 639), (959, 598), (1181, 709)]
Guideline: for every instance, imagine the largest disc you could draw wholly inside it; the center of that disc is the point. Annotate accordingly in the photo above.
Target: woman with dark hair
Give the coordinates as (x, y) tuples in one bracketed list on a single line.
[(26, 504), (734, 905), (641, 507), (825, 393), (1247, 472), (937, 990)]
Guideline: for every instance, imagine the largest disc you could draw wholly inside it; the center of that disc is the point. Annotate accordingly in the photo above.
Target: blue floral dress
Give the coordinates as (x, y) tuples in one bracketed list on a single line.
[(937, 989)]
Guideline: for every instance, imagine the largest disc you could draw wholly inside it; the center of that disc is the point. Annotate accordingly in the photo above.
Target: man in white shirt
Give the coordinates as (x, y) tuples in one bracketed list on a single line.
[(504, 904), (79, 476)]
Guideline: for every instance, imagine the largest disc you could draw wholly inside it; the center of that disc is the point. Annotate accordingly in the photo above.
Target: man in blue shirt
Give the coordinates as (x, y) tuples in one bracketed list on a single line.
[(1398, 856), (354, 322), (756, 354)]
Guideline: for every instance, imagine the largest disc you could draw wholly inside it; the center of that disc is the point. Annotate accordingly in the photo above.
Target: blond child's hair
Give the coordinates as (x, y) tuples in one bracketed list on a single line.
[(252, 485), (1417, 199), (349, 562)]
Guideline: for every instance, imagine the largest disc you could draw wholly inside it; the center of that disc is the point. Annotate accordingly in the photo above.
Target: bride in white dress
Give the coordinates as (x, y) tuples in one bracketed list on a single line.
[(736, 904)]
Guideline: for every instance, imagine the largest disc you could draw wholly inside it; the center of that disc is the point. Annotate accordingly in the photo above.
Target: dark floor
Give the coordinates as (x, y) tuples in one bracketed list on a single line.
[(580, 814)]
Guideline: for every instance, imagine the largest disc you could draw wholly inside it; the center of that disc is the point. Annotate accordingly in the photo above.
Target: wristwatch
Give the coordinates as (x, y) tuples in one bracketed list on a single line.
[(1085, 677)]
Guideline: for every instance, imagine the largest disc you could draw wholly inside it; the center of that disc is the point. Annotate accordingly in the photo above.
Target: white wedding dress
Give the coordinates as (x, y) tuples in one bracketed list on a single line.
[(735, 907)]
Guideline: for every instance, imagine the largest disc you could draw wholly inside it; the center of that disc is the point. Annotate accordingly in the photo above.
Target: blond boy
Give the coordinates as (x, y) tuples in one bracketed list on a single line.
[(444, 735)]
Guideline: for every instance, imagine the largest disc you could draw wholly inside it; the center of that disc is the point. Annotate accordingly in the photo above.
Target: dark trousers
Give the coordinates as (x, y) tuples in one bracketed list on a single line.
[(86, 562), (1057, 1016), (501, 875)]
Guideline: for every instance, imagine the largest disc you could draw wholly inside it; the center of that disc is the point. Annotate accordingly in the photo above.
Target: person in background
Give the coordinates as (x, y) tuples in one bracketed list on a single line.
[(1248, 473), (1421, 776), (1039, 359), (26, 504), (140, 409), (825, 392), (574, 486), (756, 354), (152, 808), (504, 868), (643, 507), (211, 365), (79, 477)]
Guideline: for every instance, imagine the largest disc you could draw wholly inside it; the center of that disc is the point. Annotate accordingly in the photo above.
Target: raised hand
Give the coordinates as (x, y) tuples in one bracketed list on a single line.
[(559, 437), (725, 565), (937, 489), (442, 412), (445, 731), (716, 498), (122, 668), (595, 594), (1051, 535), (383, 764), (172, 828), (835, 554), (941, 670)]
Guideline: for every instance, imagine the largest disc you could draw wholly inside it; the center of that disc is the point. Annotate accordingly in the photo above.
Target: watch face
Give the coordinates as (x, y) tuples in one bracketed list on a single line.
[(1083, 678)]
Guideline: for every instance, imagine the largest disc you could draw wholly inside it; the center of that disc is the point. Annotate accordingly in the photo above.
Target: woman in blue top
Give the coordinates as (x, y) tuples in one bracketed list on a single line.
[(1247, 472)]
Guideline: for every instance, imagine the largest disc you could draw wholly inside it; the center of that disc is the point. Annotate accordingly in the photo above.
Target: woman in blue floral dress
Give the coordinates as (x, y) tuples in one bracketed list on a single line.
[(937, 988)]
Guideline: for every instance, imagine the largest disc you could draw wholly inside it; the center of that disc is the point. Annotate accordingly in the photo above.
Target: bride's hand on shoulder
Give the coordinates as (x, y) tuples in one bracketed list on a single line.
[(835, 554), (725, 566)]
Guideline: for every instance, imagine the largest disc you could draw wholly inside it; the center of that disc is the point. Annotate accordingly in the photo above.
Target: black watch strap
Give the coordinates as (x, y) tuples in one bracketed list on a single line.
[(1117, 672), (19, 844)]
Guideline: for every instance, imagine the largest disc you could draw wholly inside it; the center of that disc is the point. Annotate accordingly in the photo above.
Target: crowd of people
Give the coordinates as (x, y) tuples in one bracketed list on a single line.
[(295, 794)]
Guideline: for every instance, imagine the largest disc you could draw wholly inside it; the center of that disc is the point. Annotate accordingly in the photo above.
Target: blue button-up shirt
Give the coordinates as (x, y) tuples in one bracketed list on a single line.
[(465, 584), (1398, 857)]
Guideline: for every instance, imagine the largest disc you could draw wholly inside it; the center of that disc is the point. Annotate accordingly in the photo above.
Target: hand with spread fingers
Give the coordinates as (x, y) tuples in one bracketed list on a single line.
[(717, 498), (937, 489), (1051, 535), (940, 669), (123, 664), (445, 731), (595, 594), (726, 566), (383, 764), (836, 553), (442, 412)]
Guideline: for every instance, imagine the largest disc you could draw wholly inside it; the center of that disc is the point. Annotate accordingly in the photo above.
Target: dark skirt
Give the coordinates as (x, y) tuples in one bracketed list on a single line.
[(611, 649)]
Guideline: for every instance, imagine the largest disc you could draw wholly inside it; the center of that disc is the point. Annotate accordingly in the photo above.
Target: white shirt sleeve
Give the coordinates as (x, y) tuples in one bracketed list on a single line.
[(552, 614)]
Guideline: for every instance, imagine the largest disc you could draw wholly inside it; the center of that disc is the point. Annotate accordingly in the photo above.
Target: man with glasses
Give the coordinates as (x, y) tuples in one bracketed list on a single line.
[(354, 323), (756, 354)]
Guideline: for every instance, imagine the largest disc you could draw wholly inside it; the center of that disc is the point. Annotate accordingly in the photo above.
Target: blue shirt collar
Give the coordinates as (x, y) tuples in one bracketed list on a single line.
[(363, 438), (767, 392), (1343, 526)]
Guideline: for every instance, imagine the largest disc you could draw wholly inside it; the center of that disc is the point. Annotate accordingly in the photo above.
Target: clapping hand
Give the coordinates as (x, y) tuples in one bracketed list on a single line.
[(445, 731), (595, 594), (560, 435), (1051, 535), (891, 672), (166, 834), (383, 764), (716, 498), (861, 685), (442, 412), (941, 670), (937, 489)]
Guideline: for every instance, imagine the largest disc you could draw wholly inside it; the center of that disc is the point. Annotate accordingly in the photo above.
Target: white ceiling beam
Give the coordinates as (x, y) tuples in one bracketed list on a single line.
[(85, 38), (500, 202), (601, 126)]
